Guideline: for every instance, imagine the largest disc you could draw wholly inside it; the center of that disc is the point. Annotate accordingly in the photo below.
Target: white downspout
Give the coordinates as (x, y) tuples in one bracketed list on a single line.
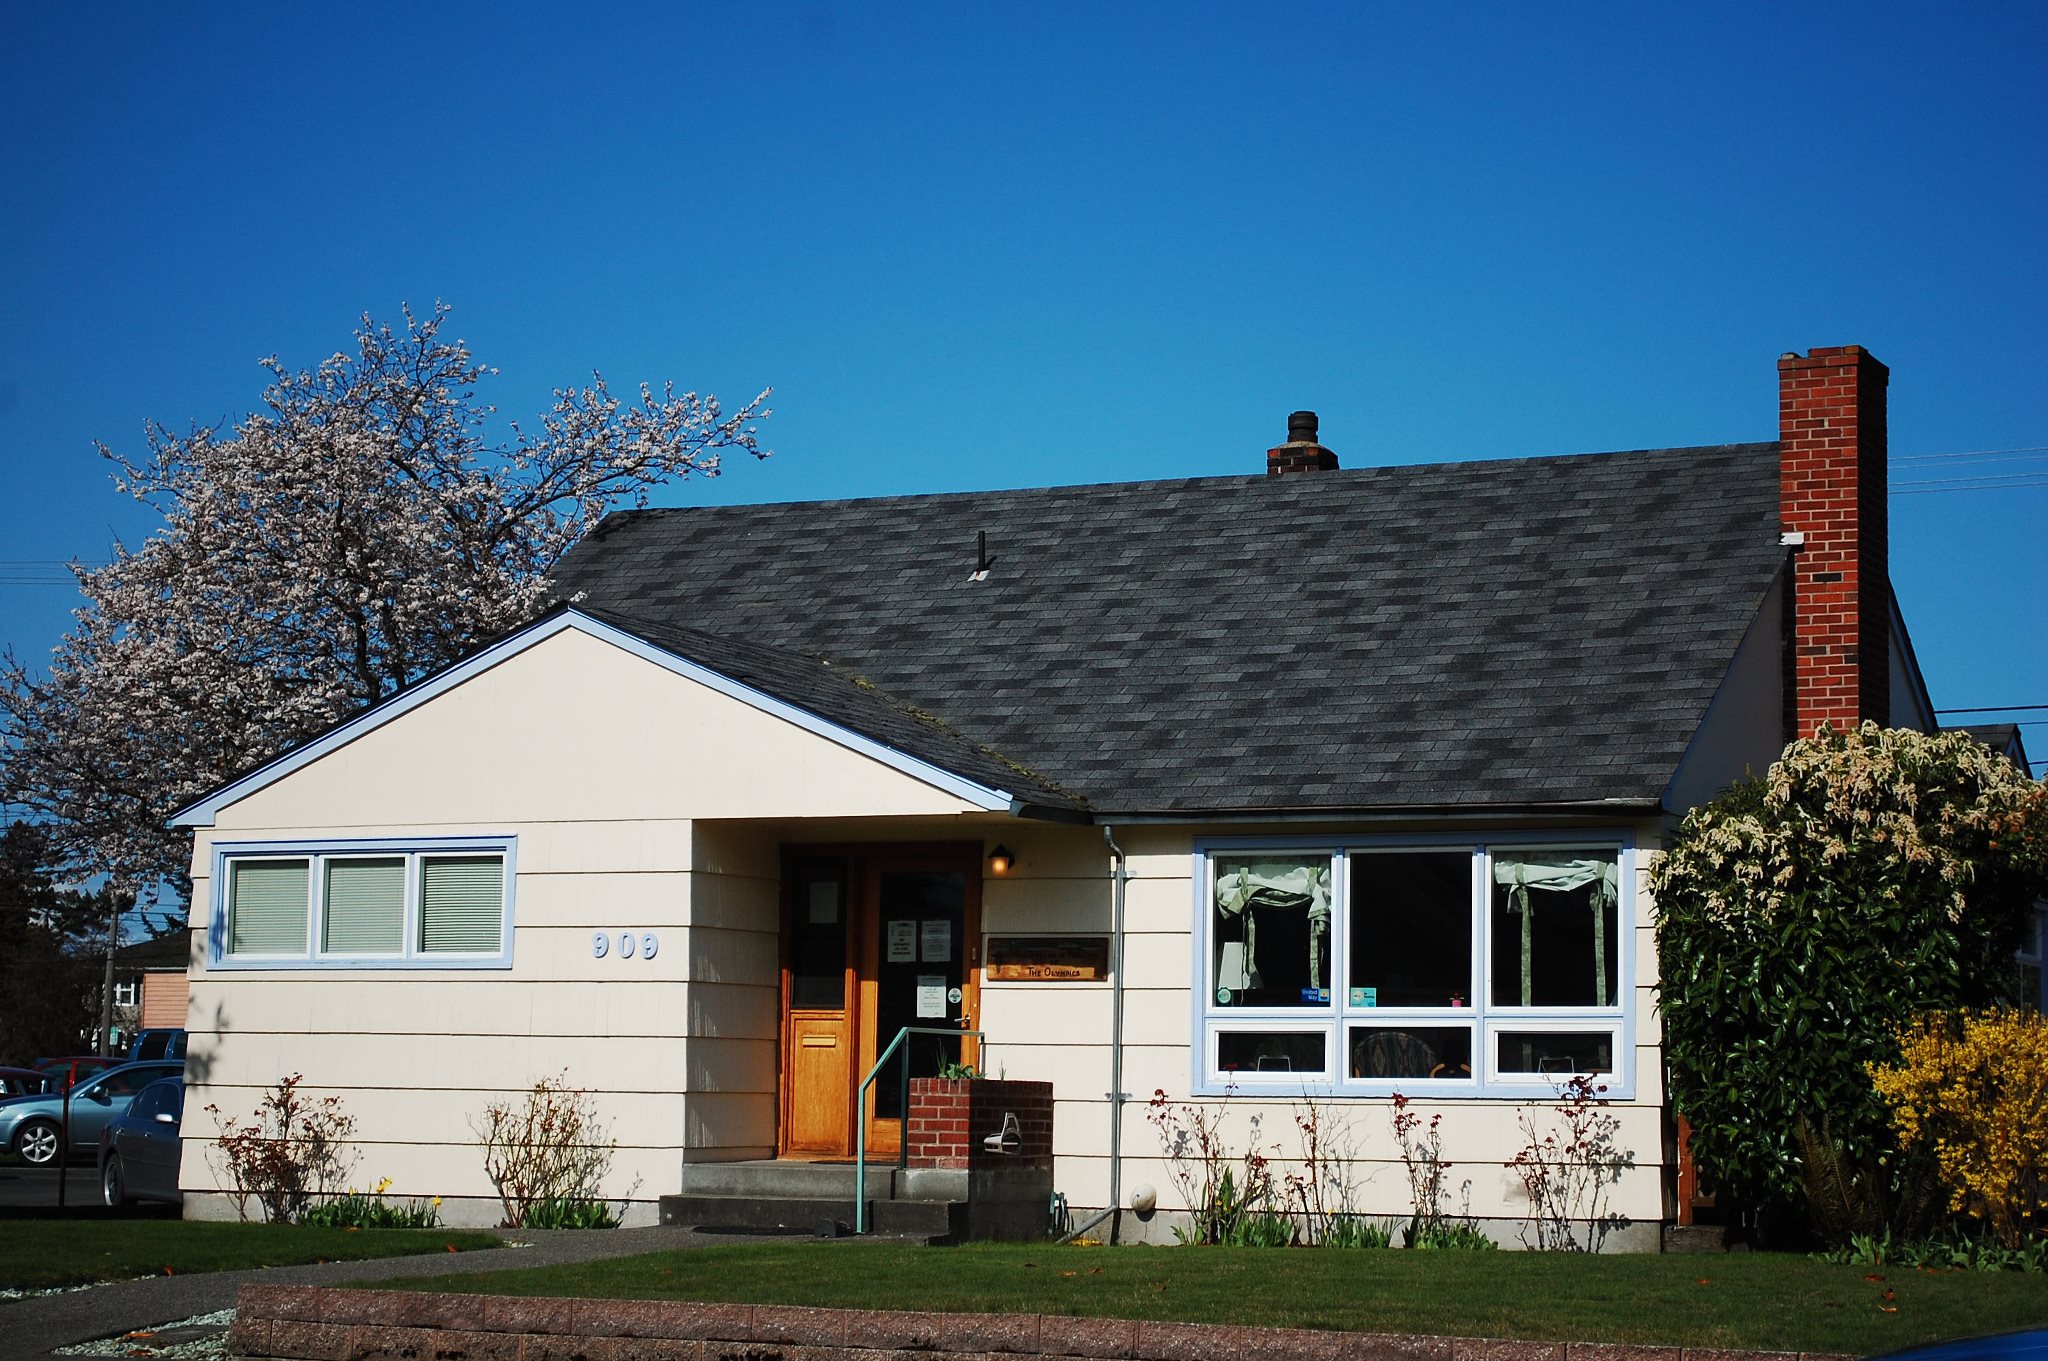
[(1116, 1037), (1119, 876)]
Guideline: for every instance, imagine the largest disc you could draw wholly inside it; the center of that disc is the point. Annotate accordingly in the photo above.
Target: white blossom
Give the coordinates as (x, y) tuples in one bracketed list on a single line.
[(357, 532)]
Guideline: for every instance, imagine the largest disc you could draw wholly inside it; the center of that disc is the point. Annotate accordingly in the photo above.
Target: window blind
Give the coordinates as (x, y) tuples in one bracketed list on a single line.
[(462, 904), (267, 904), (364, 911)]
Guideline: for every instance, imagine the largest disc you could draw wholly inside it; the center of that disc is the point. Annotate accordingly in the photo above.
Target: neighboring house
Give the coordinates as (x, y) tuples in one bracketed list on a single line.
[(2005, 739), (151, 983), (1315, 784)]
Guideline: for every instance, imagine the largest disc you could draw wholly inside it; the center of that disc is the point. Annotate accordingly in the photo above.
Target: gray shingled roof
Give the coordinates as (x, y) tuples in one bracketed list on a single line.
[(1494, 634), (159, 952)]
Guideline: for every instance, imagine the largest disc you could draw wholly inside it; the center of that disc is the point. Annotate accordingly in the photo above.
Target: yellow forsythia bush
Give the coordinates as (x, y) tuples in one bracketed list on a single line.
[(1974, 1089)]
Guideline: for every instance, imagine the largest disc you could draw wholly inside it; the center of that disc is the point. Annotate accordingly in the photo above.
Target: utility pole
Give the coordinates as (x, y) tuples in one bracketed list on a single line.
[(105, 1042)]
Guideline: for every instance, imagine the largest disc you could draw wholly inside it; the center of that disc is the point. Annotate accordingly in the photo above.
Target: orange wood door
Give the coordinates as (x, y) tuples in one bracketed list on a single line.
[(819, 1030)]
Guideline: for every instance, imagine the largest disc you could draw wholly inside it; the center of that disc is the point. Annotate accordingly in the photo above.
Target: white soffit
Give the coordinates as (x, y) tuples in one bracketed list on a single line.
[(203, 812)]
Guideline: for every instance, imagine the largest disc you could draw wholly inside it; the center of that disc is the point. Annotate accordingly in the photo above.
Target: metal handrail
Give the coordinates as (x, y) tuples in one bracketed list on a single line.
[(860, 1133)]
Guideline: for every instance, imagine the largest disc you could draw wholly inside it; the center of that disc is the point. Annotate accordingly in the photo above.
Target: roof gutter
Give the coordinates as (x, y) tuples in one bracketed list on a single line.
[(1618, 809), (1051, 812)]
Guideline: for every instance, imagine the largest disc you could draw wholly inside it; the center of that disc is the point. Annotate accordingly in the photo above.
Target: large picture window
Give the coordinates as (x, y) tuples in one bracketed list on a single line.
[(442, 904), (1272, 926), (1439, 968)]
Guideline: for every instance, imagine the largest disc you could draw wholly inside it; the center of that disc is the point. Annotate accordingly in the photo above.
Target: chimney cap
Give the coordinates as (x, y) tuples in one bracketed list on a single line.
[(1301, 427)]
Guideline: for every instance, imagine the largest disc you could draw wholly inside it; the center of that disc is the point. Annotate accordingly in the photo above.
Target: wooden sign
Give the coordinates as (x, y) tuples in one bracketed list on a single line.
[(1048, 959)]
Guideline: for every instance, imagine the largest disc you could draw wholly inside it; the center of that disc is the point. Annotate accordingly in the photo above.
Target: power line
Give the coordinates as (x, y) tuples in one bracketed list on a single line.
[(1997, 709), (1994, 482), (2031, 473), (1973, 453)]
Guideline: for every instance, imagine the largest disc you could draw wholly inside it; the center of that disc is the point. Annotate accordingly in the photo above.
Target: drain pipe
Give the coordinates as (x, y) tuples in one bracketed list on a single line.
[(1119, 877)]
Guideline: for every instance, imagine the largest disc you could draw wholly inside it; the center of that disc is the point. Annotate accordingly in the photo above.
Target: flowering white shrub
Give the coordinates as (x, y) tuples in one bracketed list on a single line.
[(1802, 919)]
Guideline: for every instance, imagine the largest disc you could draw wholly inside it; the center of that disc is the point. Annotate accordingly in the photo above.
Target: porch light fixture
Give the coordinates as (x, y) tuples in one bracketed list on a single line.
[(999, 861)]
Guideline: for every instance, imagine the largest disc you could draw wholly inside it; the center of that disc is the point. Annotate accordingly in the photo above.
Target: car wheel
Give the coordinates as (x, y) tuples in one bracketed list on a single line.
[(111, 1184), (38, 1143)]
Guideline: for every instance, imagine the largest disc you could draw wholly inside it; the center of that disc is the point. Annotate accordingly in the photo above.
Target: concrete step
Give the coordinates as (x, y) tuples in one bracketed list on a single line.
[(782, 1178), (933, 1220), (1703, 1238)]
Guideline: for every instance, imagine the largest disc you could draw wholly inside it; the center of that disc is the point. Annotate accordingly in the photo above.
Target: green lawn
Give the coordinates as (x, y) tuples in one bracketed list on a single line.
[(37, 1253), (1755, 1300)]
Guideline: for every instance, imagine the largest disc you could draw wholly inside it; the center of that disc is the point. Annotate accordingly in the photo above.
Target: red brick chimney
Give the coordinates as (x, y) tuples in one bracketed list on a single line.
[(1301, 453), (1831, 492)]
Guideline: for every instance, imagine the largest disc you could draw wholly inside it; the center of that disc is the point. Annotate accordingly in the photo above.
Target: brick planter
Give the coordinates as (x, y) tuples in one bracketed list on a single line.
[(305, 1323), (950, 1118)]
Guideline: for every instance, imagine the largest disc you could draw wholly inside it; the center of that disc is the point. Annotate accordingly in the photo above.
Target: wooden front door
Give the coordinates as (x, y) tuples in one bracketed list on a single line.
[(874, 939)]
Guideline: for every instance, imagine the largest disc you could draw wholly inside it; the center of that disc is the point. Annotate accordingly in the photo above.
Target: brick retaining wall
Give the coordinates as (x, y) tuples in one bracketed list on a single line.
[(306, 1323), (951, 1117)]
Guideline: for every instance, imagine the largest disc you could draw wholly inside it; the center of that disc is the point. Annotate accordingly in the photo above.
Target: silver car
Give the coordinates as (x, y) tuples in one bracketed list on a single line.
[(139, 1147), (31, 1127)]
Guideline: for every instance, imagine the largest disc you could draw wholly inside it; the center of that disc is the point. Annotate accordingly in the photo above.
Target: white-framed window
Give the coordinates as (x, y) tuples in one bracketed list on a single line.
[(127, 992), (1439, 967), (2033, 985), (444, 903)]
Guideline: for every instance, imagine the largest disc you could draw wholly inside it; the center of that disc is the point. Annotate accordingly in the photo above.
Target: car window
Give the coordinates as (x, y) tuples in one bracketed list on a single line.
[(126, 1081), (164, 1097)]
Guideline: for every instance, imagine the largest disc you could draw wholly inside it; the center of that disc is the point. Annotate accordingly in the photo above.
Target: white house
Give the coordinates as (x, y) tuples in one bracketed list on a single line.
[(1314, 784)]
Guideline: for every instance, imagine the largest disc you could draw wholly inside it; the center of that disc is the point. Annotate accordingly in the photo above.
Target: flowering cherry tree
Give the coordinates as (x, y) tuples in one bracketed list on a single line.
[(359, 530)]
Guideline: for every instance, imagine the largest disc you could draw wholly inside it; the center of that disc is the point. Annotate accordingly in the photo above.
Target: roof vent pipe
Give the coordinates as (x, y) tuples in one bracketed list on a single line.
[(1303, 453)]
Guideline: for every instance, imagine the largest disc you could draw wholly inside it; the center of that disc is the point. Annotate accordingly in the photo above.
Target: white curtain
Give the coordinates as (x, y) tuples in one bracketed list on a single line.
[(1272, 885), (1562, 876)]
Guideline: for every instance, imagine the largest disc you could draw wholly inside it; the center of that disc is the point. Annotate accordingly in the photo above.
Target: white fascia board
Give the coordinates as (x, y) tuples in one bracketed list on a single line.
[(203, 812)]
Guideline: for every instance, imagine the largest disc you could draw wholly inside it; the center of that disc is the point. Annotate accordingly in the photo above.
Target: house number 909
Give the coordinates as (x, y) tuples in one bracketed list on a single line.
[(643, 945)]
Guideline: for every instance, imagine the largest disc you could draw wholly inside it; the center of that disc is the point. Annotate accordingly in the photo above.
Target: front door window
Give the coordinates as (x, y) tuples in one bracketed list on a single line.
[(921, 981)]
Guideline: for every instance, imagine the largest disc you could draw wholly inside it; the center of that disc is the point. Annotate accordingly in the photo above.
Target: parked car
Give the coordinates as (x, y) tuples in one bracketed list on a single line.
[(69, 1072), (31, 1127), (157, 1044), (139, 1147), (2030, 1345), (24, 1081)]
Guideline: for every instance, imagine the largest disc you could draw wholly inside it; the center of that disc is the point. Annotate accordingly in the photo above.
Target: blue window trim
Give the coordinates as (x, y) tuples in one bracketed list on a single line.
[(217, 956), (1486, 1022)]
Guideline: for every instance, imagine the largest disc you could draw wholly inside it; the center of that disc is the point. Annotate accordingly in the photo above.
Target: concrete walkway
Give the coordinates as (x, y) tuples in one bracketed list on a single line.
[(29, 1328)]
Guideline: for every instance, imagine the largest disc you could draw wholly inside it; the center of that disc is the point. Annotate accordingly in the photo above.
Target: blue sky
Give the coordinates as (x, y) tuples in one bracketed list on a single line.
[(980, 246)]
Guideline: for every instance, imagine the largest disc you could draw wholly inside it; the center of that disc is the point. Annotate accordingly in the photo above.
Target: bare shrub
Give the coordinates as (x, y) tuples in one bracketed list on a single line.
[(293, 1152), (548, 1155)]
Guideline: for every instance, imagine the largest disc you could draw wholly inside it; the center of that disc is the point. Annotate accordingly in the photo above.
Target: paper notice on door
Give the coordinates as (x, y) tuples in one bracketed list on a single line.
[(824, 904), (931, 997), (902, 942), (938, 942)]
